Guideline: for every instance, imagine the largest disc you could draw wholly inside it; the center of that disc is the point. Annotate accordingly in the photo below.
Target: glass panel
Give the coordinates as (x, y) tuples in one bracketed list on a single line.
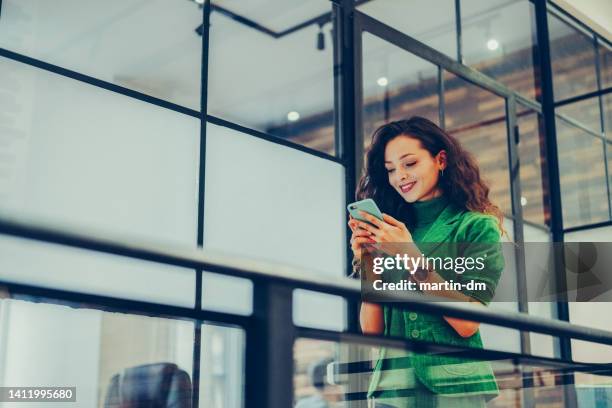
[(477, 118), (586, 112), (227, 294), (87, 158), (532, 151), (148, 46), (319, 310), (339, 374), (396, 85), (430, 23), (590, 314), (583, 177), (53, 344), (502, 338), (572, 56), (222, 362), (541, 344), (268, 201), (61, 267), (498, 39), (288, 72)]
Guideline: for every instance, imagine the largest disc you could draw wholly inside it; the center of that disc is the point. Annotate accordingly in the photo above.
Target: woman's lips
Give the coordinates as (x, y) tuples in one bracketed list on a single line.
[(407, 187)]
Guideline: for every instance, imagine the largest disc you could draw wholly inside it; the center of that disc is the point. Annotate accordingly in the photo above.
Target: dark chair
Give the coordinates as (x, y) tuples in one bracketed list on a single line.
[(160, 385)]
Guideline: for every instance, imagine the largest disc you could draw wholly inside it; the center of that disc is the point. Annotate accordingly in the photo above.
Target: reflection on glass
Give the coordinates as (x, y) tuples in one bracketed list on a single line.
[(583, 177), (229, 294), (432, 23), (68, 268), (586, 112), (87, 158), (478, 119), (272, 202), (572, 55), (590, 314), (282, 85), (147, 46), (339, 374), (319, 310), (396, 85), (222, 367), (498, 39), (115, 359), (54, 344), (532, 150)]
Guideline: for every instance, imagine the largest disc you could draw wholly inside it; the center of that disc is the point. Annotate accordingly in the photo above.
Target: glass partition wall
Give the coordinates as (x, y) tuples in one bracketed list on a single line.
[(221, 127)]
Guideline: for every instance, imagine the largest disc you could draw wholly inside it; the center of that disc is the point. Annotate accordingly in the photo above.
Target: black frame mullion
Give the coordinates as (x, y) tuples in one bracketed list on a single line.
[(458, 31), (197, 340), (602, 122), (554, 182), (347, 86), (441, 99), (269, 347)]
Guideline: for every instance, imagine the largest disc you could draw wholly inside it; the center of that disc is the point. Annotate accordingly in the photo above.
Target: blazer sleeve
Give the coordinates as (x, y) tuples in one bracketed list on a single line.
[(482, 238)]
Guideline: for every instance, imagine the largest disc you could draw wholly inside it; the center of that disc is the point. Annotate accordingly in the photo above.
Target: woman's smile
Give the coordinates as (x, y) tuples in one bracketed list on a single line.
[(406, 187)]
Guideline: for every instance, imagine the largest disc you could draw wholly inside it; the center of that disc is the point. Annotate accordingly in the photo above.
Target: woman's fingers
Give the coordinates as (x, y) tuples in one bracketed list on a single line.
[(390, 220), (364, 226), (363, 240), (372, 219), (362, 233)]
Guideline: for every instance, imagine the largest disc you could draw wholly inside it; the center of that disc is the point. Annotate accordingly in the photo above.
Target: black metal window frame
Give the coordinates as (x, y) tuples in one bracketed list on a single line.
[(272, 299)]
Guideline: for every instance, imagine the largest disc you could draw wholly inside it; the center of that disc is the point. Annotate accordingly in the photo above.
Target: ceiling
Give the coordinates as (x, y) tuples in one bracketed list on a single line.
[(254, 79)]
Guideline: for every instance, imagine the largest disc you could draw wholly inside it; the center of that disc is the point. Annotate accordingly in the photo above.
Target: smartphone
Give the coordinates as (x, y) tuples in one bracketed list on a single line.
[(368, 205)]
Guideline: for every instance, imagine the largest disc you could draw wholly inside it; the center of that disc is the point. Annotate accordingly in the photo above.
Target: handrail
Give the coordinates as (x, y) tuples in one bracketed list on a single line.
[(258, 270)]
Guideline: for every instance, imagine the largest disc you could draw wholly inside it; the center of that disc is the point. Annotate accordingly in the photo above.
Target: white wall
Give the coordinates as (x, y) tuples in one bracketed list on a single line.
[(600, 11)]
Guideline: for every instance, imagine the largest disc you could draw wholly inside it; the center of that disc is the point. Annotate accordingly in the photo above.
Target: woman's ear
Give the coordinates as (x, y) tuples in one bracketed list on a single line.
[(441, 158)]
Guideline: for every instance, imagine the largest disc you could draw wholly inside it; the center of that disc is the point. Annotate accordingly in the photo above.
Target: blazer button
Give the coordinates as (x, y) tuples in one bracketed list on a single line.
[(415, 333), (412, 316)]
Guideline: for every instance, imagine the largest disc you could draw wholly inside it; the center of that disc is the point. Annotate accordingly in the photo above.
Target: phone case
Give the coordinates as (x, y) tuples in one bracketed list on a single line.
[(368, 205)]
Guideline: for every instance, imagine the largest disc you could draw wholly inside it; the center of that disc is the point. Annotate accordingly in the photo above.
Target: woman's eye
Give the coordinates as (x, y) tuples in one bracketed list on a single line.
[(410, 164), (390, 170)]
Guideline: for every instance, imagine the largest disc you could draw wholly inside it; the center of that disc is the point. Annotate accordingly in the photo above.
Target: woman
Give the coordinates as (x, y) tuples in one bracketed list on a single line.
[(429, 190)]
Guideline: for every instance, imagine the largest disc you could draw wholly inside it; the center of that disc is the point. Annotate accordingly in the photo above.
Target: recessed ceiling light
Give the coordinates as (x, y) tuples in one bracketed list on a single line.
[(382, 81), (523, 201), (293, 116), (492, 44)]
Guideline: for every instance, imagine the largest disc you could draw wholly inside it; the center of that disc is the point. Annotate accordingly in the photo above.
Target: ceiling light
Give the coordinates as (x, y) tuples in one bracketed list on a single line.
[(523, 201), (492, 44), (382, 81), (293, 116)]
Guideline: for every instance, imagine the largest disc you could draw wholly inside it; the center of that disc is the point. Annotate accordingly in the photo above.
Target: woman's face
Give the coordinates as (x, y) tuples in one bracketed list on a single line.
[(412, 170)]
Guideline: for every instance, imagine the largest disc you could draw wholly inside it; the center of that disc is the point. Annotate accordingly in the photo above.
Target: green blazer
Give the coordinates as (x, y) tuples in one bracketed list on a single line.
[(445, 374)]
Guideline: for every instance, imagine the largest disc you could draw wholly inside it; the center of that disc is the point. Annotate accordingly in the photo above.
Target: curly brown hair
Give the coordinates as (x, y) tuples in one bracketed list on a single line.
[(461, 181)]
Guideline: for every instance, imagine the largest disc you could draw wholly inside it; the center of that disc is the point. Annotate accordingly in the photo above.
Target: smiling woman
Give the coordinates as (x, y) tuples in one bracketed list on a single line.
[(432, 188)]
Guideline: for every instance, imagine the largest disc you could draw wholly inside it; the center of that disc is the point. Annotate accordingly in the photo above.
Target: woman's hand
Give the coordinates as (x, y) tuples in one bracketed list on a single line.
[(389, 230), (359, 237)]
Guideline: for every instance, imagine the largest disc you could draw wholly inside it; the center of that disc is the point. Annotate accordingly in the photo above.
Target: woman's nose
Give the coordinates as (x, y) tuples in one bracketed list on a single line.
[(403, 175)]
